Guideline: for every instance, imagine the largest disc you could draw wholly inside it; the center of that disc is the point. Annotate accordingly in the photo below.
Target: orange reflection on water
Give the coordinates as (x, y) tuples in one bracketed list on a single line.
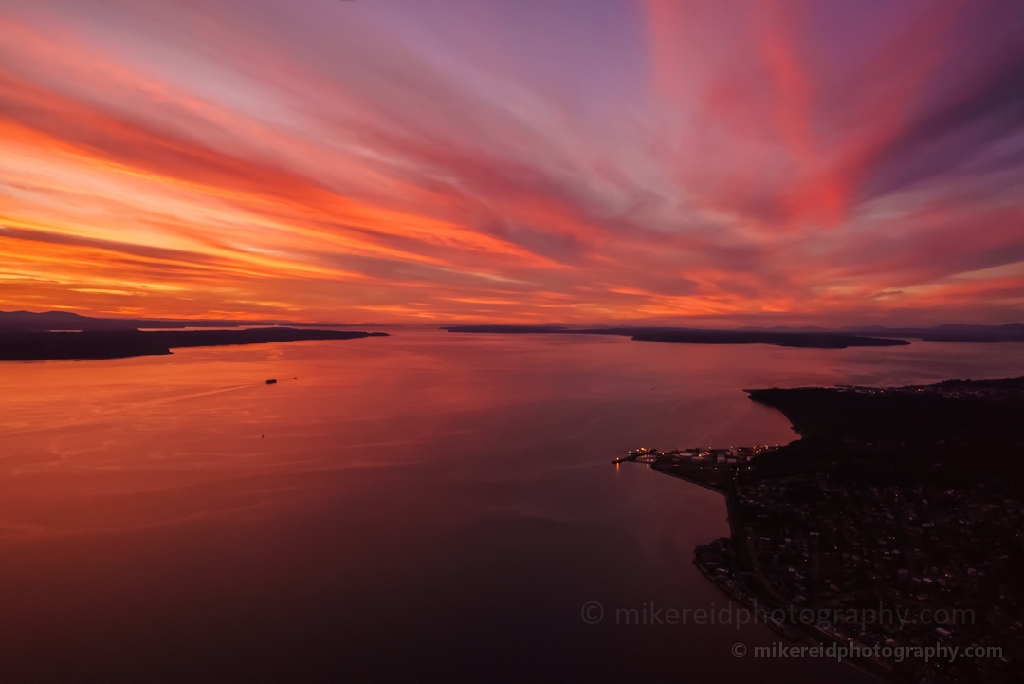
[(162, 506)]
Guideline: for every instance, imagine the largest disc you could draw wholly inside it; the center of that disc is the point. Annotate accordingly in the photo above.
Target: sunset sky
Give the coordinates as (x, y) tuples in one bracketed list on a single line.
[(576, 161)]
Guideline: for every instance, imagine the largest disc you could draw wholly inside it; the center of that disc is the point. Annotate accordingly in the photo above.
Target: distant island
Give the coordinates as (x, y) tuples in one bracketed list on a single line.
[(814, 339), (823, 340), (896, 521), (783, 336), (43, 337)]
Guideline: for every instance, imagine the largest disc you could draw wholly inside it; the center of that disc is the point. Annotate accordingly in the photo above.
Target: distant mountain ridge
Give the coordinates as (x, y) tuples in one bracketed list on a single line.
[(29, 321)]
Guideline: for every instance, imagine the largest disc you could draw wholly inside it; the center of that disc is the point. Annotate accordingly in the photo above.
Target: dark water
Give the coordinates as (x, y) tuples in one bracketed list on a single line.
[(425, 506)]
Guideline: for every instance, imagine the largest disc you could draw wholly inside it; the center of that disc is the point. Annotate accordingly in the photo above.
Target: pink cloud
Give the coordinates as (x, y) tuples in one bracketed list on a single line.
[(653, 161)]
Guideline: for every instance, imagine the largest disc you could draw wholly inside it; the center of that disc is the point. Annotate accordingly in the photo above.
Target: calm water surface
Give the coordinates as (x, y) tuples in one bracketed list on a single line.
[(426, 503)]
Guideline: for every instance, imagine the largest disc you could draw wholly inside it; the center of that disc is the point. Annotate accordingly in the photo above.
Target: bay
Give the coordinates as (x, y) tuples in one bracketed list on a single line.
[(423, 506)]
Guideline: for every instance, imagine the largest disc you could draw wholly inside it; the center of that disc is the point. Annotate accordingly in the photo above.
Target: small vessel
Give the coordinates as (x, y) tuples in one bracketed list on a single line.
[(272, 381)]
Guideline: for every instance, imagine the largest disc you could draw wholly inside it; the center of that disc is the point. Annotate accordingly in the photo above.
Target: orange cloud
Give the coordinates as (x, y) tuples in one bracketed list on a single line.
[(727, 161)]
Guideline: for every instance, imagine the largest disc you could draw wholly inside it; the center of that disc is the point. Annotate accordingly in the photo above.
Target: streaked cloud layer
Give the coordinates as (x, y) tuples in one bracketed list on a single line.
[(530, 161)]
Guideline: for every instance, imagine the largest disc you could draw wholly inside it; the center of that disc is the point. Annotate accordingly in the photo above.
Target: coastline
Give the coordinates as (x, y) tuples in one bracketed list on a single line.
[(890, 528), (122, 344), (746, 592)]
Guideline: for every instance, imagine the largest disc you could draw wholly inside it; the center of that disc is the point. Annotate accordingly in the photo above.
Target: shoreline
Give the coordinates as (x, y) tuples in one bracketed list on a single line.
[(103, 345), (720, 481), (890, 528), (802, 340)]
